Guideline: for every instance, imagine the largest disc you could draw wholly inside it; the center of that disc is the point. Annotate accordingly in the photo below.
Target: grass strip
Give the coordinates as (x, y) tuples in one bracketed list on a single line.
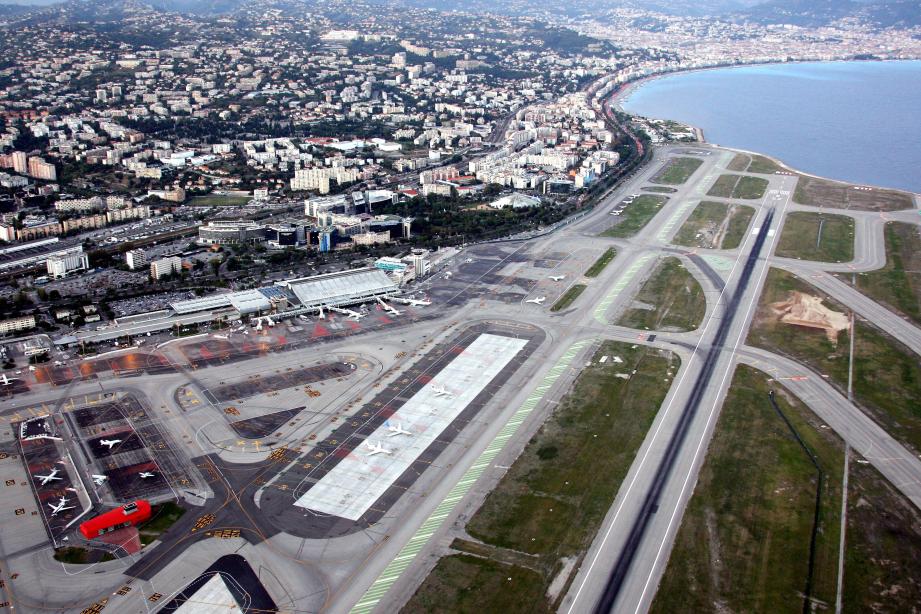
[(568, 297), (601, 263)]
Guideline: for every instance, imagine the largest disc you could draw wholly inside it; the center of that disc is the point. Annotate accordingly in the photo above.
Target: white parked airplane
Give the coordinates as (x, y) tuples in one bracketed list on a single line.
[(98, 480), (412, 302), (396, 430), (388, 308), (441, 391), (60, 507), (7, 381), (47, 478), (349, 313), (109, 442), (146, 474), (376, 448), (537, 301), (557, 277)]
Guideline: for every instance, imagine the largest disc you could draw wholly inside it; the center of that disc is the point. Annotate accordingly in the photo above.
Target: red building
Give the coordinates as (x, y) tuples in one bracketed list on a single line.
[(130, 514)]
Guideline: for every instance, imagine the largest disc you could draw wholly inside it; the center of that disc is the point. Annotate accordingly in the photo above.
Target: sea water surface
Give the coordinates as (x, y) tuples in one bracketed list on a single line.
[(855, 121)]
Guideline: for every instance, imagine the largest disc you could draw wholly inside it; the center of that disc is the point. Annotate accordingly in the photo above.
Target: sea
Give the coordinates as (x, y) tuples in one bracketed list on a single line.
[(855, 121)]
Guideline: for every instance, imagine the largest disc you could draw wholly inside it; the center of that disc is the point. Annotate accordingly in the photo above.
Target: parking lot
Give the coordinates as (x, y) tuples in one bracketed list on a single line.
[(149, 302), (42, 457), (121, 442), (287, 379)]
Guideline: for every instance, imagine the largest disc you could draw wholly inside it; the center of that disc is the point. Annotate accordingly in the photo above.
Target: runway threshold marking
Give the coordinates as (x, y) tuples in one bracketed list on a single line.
[(418, 541), (602, 307)]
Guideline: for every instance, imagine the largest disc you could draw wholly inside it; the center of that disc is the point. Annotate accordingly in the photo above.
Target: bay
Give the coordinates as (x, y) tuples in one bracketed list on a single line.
[(854, 121)]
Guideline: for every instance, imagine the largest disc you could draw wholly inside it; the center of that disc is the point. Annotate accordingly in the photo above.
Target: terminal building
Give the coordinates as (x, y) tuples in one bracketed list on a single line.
[(340, 289), (284, 299)]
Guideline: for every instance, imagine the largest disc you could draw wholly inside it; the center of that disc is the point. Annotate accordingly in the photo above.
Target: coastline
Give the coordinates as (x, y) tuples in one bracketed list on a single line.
[(620, 94)]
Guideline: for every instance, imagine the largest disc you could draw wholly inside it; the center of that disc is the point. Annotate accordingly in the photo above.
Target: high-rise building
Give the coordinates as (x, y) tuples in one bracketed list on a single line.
[(73, 260), (40, 169), (136, 259), (165, 266), (20, 162), (420, 265), (325, 240)]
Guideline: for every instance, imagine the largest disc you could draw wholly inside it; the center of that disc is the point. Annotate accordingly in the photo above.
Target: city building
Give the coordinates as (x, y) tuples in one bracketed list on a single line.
[(40, 169), (136, 259), (165, 266), (38, 229), (14, 325), (176, 195), (70, 261), (20, 162), (280, 236), (231, 233)]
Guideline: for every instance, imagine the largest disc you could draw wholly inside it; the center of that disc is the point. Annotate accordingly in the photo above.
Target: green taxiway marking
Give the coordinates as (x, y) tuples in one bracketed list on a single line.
[(428, 528), (602, 307), (666, 231), (720, 264)]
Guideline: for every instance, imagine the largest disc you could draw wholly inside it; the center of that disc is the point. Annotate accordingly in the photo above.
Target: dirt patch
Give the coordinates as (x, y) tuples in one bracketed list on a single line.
[(825, 193), (800, 309)]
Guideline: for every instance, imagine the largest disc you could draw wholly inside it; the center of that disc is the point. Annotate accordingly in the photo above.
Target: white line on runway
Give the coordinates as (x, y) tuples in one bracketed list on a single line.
[(713, 411), (655, 435)]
